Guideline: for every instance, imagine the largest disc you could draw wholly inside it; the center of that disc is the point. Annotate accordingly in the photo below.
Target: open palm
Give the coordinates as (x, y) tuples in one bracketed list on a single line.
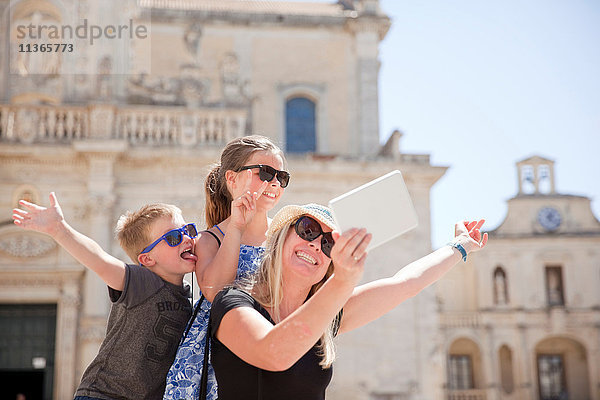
[(38, 218)]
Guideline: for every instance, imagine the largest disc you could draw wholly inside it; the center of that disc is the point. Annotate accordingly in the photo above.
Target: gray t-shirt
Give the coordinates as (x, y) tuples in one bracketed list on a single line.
[(145, 325)]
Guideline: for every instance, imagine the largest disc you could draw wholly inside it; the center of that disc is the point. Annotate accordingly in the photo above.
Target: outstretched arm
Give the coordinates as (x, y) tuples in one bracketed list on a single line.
[(52, 222), (374, 299)]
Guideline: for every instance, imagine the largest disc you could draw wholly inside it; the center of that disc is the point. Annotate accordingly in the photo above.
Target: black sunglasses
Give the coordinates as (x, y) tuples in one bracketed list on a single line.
[(174, 237), (309, 229), (267, 173)]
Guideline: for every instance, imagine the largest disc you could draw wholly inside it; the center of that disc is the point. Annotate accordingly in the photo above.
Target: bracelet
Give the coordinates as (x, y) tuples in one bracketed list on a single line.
[(460, 248)]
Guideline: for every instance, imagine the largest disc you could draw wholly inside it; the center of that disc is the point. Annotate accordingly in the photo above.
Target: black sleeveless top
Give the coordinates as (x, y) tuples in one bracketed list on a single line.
[(238, 380)]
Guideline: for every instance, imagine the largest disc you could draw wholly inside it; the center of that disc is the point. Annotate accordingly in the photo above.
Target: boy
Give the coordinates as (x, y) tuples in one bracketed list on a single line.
[(150, 303)]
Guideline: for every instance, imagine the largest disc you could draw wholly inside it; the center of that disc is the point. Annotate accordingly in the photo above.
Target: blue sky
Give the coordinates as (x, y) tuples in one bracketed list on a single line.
[(480, 85)]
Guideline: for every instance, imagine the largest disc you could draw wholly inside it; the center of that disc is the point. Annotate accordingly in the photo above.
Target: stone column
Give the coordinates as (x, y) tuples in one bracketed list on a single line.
[(368, 78), (594, 366), (66, 336), (490, 364), (369, 29), (525, 385)]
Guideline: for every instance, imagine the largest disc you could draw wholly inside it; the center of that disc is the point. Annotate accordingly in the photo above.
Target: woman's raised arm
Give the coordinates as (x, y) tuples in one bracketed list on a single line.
[(374, 299)]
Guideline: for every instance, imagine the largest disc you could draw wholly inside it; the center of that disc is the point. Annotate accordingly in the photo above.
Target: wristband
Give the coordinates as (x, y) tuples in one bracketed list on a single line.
[(460, 248)]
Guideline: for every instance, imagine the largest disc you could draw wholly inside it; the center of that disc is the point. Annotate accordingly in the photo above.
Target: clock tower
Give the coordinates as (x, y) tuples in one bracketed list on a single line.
[(538, 209), (521, 319)]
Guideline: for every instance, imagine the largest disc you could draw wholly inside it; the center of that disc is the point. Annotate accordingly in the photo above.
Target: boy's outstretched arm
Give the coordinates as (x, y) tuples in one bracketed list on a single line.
[(52, 222)]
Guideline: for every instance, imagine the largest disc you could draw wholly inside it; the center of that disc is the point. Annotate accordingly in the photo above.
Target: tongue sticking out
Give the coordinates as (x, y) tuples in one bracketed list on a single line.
[(188, 255)]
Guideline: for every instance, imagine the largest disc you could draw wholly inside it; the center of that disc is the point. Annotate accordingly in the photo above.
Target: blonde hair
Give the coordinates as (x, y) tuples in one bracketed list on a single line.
[(234, 156), (133, 228), (267, 289)]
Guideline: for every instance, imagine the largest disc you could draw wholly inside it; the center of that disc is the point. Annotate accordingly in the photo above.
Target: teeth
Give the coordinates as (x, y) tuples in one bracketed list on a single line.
[(188, 255), (306, 257), (269, 194)]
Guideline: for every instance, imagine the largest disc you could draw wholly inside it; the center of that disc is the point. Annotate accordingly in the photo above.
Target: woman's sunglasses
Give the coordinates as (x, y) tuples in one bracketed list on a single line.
[(267, 173), (174, 237), (309, 229)]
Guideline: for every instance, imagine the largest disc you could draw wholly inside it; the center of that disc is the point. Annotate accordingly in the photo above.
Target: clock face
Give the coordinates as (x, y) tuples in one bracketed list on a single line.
[(549, 218)]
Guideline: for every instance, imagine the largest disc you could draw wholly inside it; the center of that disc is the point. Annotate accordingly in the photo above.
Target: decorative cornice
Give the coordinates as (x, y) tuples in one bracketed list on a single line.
[(260, 11), (37, 154), (371, 23), (40, 279)]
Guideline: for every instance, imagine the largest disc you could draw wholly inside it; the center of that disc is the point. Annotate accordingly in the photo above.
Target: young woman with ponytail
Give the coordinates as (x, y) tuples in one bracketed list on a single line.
[(240, 190)]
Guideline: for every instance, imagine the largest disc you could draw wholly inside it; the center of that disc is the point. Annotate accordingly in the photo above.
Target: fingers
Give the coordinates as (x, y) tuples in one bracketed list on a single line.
[(31, 206), (465, 227), (460, 228), (352, 243), (479, 224), (360, 253), (246, 200), (248, 180), (20, 217), (342, 239), (476, 235), (260, 190), (484, 240), (53, 199), (478, 239), (352, 246), (19, 212), (18, 222), (475, 231)]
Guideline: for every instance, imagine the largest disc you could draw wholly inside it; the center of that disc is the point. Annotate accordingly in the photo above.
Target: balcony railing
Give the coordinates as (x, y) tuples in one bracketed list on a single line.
[(470, 394), (460, 320), (146, 126)]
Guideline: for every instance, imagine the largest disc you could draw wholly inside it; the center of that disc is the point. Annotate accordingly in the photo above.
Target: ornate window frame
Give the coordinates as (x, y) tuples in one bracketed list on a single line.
[(317, 93)]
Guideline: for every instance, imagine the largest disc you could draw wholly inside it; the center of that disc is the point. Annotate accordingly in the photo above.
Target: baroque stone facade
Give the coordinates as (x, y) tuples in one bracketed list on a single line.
[(107, 142), (521, 320)]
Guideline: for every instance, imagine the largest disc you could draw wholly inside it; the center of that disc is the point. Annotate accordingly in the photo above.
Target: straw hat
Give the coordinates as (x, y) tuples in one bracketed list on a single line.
[(289, 214)]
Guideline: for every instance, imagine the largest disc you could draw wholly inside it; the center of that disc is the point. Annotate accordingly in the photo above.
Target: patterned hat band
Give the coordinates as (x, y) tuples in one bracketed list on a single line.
[(289, 214)]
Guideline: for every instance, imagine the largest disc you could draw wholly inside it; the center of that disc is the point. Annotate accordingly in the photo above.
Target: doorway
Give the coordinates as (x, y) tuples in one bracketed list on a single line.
[(27, 338), (29, 383)]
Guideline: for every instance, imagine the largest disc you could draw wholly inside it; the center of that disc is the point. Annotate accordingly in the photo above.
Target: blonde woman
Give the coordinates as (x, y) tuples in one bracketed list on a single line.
[(274, 338)]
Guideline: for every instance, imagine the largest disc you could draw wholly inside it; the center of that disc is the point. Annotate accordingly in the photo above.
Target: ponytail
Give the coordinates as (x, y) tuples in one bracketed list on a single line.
[(218, 198)]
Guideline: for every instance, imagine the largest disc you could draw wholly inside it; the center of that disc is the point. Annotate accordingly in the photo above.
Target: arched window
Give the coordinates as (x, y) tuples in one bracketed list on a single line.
[(465, 369), (506, 369), (300, 125), (500, 287), (554, 286)]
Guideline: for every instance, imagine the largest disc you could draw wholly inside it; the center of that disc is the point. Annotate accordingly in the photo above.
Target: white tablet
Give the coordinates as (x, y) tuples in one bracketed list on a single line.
[(382, 206)]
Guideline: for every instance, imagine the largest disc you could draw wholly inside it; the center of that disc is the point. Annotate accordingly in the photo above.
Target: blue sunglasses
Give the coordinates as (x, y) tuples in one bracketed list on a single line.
[(174, 237)]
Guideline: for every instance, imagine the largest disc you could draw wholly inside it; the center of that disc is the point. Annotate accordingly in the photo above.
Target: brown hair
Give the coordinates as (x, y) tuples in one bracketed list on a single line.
[(235, 154), (133, 228)]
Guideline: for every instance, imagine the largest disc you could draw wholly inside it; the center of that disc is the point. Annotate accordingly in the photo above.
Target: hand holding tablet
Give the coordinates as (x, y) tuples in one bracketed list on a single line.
[(382, 206)]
